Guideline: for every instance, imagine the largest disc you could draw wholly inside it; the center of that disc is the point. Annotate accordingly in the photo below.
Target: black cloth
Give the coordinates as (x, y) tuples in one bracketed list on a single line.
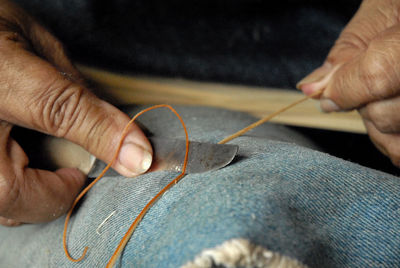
[(253, 42)]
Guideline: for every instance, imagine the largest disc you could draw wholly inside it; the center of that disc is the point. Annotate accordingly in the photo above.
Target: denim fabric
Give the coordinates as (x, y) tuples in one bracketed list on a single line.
[(305, 204)]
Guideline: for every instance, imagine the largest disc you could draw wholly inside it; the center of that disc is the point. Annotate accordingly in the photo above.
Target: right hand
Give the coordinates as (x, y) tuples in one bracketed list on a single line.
[(40, 89), (362, 71)]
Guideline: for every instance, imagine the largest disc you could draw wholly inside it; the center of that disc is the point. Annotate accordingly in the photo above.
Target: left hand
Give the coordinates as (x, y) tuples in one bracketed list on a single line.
[(40, 89)]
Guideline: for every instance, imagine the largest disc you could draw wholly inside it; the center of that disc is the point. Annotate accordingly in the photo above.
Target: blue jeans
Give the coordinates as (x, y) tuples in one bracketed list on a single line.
[(318, 209)]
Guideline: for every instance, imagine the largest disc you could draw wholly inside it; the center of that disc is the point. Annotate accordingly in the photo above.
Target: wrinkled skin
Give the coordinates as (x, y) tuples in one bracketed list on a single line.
[(40, 89), (362, 71)]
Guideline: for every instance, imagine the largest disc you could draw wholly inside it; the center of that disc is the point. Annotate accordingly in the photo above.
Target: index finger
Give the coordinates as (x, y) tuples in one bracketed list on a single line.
[(371, 76)]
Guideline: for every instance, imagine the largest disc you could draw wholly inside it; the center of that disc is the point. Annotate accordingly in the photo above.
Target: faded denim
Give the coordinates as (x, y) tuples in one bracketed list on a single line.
[(321, 210)]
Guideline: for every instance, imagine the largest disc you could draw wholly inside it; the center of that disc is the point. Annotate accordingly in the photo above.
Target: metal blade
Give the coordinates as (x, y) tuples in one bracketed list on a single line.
[(169, 155)]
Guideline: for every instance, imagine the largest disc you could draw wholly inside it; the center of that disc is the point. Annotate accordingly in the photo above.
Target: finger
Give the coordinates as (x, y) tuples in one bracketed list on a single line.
[(39, 195), (372, 75), (318, 79), (46, 195), (29, 195), (49, 103), (388, 144), (384, 114), (52, 50)]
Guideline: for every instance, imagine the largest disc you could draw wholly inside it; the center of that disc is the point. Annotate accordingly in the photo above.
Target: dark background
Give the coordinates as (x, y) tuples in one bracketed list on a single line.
[(253, 42)]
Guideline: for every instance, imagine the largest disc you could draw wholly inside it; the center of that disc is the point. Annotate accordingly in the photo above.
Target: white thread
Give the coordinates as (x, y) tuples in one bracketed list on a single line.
[(104, 221)]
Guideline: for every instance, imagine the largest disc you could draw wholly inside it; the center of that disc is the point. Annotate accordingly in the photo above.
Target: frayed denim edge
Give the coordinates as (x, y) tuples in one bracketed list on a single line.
[(240, 252)]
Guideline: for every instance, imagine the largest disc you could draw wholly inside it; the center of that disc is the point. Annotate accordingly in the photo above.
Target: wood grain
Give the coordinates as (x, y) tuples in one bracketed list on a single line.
[(123, 89)]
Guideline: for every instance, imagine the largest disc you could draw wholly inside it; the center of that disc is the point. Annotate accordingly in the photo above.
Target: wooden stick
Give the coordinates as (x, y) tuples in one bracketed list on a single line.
[(268, 117), (259, 102)]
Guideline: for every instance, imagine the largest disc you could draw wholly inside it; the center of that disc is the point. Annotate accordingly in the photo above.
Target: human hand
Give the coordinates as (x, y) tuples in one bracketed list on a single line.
[(40, 89), (362, 71)]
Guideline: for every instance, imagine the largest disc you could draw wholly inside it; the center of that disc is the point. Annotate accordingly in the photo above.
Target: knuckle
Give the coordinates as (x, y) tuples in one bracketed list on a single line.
[(101, 125), (9, 193), (384, 126), (350, 39), (58, 107), (347, 46), (378, 116), (376, 71), (9, 39)]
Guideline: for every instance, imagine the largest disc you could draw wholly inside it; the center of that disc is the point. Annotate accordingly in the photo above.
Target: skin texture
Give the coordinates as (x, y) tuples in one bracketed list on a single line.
[(362, 71), (40, 89)]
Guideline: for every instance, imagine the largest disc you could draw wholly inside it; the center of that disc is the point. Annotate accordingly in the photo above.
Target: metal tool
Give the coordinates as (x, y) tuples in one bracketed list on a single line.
[(168, 153)]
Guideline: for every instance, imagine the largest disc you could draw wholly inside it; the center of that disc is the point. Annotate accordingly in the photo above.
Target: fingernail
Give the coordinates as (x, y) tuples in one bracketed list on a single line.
[(134, 159), (311, 82), (146, 161), (328, 106)]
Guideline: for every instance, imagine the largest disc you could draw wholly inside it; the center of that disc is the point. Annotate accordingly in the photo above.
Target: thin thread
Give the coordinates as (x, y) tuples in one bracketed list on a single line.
[(136, 222), (132, 228), (104, 221), (268, 117)]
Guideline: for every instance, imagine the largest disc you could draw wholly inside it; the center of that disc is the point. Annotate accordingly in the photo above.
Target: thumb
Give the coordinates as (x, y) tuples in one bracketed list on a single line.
[(36, 93), (74, 113), (98, 126), (48, 102), (136, 153)]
